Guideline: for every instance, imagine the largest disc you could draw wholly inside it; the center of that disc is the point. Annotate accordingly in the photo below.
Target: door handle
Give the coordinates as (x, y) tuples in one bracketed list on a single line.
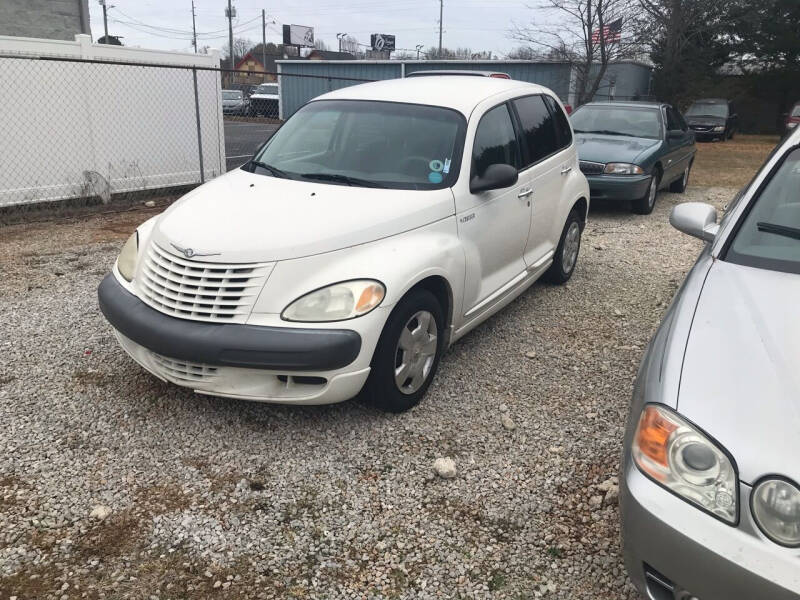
[(565, 170), (524, 193)]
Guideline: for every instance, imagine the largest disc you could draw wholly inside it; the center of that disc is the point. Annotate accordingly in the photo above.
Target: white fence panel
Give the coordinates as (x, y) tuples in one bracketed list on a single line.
[(71, 129)]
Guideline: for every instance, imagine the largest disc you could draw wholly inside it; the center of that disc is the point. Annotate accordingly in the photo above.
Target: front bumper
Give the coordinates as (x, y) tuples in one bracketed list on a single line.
[(696, 555), (704, 136), (618, 187), (280, 364)]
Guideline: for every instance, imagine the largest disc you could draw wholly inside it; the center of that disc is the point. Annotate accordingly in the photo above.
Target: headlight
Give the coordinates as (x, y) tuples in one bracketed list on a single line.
[(623, 169), (126, 263), (719, 128), (682, 459), (337, 302), (791, 125), (776, 508)]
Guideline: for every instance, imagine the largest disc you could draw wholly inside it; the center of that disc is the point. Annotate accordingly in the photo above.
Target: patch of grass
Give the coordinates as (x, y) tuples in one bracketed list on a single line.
[(93, 378), (497, 581), (732, 163), (555, 552)]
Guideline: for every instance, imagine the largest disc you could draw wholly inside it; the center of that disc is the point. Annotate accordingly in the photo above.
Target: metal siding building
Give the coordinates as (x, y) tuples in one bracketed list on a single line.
[(623, 80)]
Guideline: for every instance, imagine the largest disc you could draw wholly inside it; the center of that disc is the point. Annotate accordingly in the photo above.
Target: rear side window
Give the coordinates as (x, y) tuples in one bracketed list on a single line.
[(563, 129), (495, 141), (672, 120), (538, 128)]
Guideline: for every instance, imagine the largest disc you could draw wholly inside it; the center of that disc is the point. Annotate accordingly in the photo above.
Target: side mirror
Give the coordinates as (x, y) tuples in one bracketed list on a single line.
[(674, 134), (497, 176), (698, 219)]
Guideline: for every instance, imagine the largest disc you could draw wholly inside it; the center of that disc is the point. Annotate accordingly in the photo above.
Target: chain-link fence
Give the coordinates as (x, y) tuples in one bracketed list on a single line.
[(79, 132)]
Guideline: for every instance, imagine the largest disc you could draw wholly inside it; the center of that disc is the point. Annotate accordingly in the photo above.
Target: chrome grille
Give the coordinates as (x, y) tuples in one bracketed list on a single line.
[(181, 370), (591, 168), (200, 291)]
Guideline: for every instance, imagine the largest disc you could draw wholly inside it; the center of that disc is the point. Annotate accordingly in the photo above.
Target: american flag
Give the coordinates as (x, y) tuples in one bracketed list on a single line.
[(611, 32)]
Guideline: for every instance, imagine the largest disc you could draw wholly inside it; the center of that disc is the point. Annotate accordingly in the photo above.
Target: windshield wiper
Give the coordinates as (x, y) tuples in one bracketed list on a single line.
[(342, 179), (274, 171), (790, 232)]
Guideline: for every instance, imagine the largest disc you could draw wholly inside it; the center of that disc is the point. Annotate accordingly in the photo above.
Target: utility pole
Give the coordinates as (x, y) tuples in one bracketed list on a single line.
[(441, 14), (194, 30), (105, 17), (264, 39), (419, 47), (340, 37), (229, 14)]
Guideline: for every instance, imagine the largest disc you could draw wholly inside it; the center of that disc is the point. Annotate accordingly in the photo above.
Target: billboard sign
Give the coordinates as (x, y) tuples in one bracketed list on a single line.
[(382, 42), (298, 35)]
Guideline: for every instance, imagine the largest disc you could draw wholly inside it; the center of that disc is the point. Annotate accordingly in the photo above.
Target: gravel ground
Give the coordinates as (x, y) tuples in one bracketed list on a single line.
[(115, 485)]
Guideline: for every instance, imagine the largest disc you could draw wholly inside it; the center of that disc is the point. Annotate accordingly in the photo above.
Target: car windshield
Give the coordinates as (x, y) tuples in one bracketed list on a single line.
[(617, 120), (267, 89), (769, 236), (359, 142), (231, 95), (708, 109)]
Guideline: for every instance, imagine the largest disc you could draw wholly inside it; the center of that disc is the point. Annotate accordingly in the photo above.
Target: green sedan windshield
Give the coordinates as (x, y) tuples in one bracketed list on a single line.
[(642, 122)]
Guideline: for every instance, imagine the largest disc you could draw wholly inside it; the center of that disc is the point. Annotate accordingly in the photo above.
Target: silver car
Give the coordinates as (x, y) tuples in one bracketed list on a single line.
[(710, 475)]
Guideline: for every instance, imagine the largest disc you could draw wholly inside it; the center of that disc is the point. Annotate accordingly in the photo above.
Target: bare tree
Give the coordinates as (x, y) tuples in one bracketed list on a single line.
[(582, 38), (350, 44), (241, 46)]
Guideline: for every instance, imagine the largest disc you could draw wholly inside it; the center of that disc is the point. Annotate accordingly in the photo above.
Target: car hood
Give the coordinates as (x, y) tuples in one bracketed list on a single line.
[(613, 148), (246, 217), (740, 380), (705, 120), (264, 97), (239, 101)]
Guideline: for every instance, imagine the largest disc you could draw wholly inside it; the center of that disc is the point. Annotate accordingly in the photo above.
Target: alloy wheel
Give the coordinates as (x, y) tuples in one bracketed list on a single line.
[(572, 243), (415, 352)]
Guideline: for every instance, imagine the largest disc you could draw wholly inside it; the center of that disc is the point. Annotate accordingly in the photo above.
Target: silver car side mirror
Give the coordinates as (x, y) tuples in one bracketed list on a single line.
[(698, 219)]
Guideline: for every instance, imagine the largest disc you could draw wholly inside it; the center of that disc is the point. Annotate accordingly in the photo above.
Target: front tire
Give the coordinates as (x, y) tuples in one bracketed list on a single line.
[(645, 205), (566, 256), (408, 353)]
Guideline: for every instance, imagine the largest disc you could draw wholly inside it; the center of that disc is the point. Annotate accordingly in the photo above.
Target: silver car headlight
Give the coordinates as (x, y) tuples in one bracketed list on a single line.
[(676, 455), (719, 128), (776, 508), (623, 169), (337, 302), (126, 262)]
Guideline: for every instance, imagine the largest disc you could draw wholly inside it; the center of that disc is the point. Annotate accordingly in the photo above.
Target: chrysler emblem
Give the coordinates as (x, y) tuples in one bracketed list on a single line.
[(190, 252)]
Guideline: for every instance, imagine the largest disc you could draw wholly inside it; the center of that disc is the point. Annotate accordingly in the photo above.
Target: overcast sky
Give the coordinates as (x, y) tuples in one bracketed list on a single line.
[(167, 24)]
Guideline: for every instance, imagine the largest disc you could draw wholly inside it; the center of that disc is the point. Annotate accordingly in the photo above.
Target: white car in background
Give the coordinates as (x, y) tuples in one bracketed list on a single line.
[(379, 225), (265, 101)]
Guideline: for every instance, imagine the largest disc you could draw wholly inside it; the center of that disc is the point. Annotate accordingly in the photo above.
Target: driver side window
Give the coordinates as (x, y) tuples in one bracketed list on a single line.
[(495, 141)]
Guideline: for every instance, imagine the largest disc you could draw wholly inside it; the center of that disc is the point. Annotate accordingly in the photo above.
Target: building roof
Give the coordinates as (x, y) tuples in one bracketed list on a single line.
[(451, 91), (329, 55)]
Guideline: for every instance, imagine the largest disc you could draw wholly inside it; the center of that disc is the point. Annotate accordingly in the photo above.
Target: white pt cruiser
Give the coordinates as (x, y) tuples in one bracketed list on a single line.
[(380, 224)]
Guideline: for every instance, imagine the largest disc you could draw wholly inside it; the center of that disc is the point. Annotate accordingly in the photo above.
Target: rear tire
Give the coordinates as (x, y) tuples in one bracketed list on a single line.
[(679, 185), (408, 353), (645, 205), (566, 257)]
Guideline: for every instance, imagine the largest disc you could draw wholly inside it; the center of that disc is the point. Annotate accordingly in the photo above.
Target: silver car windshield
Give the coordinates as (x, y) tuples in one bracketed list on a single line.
[(769, 235), (267, 89), (617, 120), (367, 143), (231, 95)]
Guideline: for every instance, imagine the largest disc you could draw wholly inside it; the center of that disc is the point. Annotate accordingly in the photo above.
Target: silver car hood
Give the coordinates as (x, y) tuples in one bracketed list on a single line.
[(741, 370)]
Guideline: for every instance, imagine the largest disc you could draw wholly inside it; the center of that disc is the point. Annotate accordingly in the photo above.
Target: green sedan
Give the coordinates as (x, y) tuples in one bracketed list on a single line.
[(631, 150)]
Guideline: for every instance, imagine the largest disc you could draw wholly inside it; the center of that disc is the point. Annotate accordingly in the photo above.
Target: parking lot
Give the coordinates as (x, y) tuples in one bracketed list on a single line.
[(243, 137), (199, 497)]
